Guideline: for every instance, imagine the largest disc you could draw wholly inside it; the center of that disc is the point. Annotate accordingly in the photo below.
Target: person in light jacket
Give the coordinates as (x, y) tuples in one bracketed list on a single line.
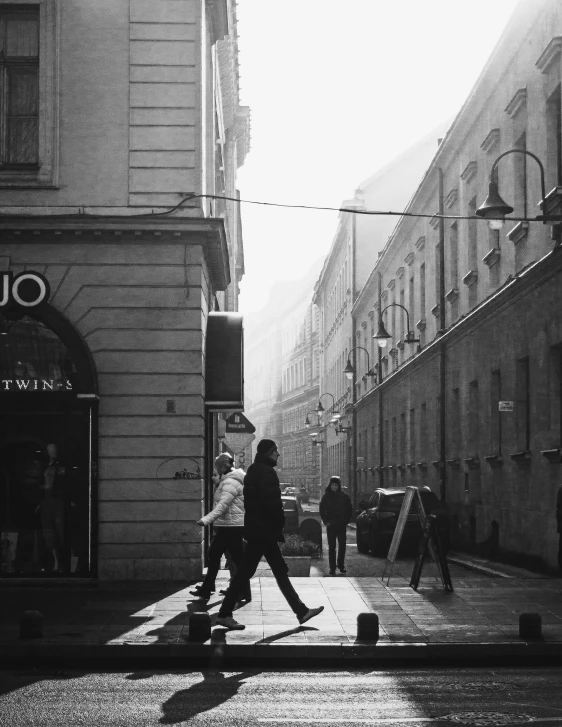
[(227, 518), (336, 512)]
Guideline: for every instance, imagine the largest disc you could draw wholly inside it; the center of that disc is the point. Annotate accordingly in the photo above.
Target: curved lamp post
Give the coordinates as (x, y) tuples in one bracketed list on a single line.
[(382, 335), (307, 421), (349, 370), (320, 408), (494, 209)]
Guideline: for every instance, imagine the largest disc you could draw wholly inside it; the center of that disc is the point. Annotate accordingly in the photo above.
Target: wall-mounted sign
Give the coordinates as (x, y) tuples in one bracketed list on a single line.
[(507, 406), (27, 289), (35, 385)]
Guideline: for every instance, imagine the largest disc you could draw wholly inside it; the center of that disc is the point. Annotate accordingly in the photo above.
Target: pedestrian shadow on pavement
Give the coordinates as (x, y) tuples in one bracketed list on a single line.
[(282, 634), (214, 690)]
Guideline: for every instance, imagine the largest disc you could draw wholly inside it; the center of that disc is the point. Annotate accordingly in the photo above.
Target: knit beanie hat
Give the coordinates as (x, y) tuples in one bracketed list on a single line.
[(266, 446), (335, 479)]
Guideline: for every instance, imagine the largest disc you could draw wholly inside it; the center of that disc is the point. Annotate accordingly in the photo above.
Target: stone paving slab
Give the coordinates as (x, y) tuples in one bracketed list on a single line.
[(480, 617)]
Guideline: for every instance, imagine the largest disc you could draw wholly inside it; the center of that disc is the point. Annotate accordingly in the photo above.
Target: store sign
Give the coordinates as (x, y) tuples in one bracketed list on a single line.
[(507, 406), (35, 385), (27, 289)]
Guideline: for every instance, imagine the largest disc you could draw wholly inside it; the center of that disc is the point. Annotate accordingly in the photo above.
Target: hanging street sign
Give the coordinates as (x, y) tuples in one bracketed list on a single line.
[(239, 432)]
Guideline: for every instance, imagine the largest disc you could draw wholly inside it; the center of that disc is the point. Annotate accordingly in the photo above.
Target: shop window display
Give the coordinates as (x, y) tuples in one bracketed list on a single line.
[(44, 455)]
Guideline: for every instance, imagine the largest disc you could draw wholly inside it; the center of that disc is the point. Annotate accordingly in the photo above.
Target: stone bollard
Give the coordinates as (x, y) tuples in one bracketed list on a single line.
[(530, 626), (31, 625), (199, 626), (367, 627)]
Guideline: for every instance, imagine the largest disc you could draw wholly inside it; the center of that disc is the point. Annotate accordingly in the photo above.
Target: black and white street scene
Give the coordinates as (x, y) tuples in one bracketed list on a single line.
[(280, 363)]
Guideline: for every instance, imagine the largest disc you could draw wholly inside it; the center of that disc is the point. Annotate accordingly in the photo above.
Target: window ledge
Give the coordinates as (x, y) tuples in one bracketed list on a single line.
[(523, 457), (437, 464), (470, 278), (411, 466), (455, 462), (436, 310), (494, 460), (400, 345), (492, 257), (472, 462), (552, 455), (553, 202), (452, 295), (421, 324), (422, 466), (518, 233)]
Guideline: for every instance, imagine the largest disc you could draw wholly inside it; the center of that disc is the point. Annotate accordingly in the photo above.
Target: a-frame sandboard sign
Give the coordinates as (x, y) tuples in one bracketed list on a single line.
[(429, 540)]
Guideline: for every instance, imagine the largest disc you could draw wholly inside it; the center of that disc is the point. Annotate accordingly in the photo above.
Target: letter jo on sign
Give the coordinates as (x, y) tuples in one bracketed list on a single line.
[(26, 289)]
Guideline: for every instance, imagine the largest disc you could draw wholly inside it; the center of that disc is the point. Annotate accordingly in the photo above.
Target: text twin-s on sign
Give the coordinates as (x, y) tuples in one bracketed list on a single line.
[(27, 289)]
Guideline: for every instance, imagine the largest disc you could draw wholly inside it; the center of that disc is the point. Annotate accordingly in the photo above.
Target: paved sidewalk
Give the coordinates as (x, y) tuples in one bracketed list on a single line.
[(131, 620)]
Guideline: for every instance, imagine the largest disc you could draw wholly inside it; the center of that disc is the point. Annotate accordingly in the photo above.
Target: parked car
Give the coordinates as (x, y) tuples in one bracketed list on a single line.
[(378, 517), (293, 510), (292, 492), (284, 485)]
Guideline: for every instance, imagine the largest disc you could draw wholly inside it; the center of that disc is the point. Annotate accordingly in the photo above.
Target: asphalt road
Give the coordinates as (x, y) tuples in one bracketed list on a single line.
[(252, 697)]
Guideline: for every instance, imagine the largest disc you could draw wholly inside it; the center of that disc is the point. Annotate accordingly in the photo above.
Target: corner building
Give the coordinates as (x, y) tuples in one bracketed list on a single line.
[(485, 305), (117, 111)]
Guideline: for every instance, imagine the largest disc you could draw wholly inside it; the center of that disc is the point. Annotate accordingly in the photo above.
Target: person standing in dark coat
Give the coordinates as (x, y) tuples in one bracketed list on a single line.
[(336, 512), (559, 524), (264, 520)]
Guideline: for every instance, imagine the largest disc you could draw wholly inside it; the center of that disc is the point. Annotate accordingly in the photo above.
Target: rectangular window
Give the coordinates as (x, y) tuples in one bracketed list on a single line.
[(473, 415), (495, 416), (394, 440), (412, 302), (437, 273), (402, 454), (455, 423), (520, 177), (454, 255), (423, 433), (19, 87), (472, 236), (412, 435), (554, 140), (523, 404)]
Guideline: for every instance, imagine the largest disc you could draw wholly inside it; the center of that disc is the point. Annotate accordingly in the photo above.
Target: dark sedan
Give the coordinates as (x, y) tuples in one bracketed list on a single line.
[(293, 510), (378, 517)]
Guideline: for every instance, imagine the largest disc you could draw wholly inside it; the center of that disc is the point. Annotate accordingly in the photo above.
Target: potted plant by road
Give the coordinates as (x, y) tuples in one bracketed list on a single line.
[(298, 555)]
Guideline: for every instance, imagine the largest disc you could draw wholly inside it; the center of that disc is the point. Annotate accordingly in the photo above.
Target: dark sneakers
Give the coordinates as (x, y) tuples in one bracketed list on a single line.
[(342, 569), (199, 592)]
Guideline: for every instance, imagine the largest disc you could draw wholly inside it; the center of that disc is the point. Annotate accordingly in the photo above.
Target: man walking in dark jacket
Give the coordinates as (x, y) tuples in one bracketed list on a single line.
[(264, 520), (336, 512)]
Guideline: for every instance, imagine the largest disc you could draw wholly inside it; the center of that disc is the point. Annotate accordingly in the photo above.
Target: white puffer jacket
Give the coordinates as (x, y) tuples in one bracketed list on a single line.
[(228, 510)]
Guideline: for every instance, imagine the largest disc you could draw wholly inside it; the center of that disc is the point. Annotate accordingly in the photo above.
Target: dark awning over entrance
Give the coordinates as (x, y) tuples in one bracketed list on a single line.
[(224, 366)]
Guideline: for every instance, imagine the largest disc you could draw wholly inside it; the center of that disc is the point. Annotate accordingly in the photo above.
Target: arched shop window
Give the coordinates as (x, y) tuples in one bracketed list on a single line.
[(34, 358), (47, 438)]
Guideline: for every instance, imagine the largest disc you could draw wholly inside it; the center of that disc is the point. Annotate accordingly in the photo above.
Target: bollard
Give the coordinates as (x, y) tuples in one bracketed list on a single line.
[(199, 626), (530, 626), (367, 627), (31, 625)]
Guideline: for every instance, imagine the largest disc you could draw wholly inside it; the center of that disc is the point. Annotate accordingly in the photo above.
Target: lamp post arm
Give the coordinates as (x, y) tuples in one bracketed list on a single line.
[(538, 161), (363, 349), (327, 393), (398, 305)]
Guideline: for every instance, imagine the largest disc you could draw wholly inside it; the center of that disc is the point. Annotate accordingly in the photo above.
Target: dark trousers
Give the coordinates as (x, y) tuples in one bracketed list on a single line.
[(560, 552), (225, 538), (253, 553), (336, 532)]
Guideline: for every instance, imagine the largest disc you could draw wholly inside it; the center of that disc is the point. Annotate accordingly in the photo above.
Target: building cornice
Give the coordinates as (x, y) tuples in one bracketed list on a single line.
[(550, 54), (208, 232)]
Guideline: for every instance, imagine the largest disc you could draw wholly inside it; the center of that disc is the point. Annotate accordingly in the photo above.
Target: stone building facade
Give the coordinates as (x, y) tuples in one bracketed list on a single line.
[(109, 145), (485, 305), (355, 248)]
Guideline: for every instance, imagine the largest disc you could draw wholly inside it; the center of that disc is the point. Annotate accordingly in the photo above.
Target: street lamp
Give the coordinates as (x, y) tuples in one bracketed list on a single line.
[(307, 421), (349, 370), (494, 209), (320, 408), (382, 335)]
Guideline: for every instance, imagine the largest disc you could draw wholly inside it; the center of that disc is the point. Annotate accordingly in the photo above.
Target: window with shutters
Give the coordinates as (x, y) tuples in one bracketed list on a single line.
[(28, 103)]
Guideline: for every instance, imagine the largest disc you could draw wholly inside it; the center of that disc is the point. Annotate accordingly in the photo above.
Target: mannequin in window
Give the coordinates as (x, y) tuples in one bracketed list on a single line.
[(52, 505)]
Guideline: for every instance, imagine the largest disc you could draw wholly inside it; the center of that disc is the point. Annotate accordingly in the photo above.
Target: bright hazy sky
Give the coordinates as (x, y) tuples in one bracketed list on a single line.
[(337, 89)]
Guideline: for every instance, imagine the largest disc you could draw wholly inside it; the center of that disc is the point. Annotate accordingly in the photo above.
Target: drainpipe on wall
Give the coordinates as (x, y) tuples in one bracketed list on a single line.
[(354, 391), (381, 412), (442, 348)]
